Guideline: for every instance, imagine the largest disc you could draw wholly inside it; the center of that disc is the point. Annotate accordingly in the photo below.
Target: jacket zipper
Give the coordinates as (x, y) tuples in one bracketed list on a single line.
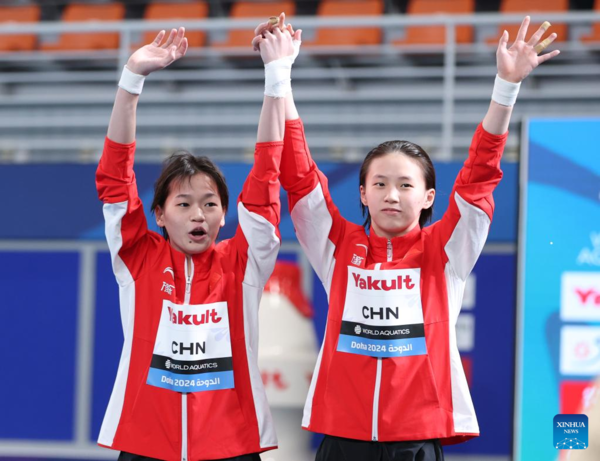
[(184, 441), (189, 274), (376, 400), (375, 428)]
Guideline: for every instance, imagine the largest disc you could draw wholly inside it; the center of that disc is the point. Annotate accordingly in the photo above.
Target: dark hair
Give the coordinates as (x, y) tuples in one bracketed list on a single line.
[(410, 150), (183, 165)]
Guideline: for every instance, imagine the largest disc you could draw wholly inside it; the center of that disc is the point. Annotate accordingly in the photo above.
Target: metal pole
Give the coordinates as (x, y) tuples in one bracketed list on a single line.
[(124, 49), (85, 346), (449, 83)]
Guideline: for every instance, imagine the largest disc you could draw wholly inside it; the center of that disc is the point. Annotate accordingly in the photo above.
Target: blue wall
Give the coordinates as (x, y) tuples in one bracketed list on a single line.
[(60, 202)]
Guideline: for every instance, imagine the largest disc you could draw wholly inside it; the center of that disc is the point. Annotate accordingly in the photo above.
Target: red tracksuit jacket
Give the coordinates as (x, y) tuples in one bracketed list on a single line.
[(153, 287), (419, 391)]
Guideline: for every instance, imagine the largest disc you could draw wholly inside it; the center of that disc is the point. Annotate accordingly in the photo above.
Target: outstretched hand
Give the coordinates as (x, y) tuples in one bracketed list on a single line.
[(517, 62), (158, 55)]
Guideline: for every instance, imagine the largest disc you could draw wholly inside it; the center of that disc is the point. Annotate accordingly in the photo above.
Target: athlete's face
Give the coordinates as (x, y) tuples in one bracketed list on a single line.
[(395, 194), (192, 214)]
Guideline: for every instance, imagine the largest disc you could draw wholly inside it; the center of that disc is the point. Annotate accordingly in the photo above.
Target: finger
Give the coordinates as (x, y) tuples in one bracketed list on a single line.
[(523, 29), (261, 28), (298, 35), (172, 54), (289, 29), (169, 41), (544, 44), (503, 43), (256, 42), (277, 32), (158, 38), (170, 38), (273, 21), (183, 47), (282, 21), (179, 37), (545, 57), (268, 37), (538, 33)]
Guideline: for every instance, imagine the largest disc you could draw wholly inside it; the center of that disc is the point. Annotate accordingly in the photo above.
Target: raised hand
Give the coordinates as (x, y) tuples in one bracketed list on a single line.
[(275, 21), (158, 55), (271, 27), (297, 40), (517, 62), (276, 45)]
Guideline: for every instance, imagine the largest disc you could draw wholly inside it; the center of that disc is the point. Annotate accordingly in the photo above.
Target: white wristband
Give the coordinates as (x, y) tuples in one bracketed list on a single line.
[(505, 93), (130, 82), (278, 82)]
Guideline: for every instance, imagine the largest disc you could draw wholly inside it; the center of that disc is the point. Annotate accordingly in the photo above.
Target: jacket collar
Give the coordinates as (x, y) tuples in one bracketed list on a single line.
[(202, 261), (400, 245)]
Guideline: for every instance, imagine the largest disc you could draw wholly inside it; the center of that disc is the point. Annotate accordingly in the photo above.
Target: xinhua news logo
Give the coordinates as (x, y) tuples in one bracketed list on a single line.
[(570, 432)]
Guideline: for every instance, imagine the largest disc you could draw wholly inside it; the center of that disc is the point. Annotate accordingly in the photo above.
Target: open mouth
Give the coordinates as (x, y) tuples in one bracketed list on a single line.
[(198, 233)]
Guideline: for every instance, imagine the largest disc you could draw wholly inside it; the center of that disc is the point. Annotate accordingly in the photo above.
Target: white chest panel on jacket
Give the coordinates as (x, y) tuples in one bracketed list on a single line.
[(192, 352), (383, 314)]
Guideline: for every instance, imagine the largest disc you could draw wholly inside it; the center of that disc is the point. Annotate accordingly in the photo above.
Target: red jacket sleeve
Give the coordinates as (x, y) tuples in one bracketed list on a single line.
[(125, 221), (463, 229), (260, 193), (317, 221), (259, 213)]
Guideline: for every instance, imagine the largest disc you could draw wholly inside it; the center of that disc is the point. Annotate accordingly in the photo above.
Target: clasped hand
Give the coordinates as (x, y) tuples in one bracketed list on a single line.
[(276, 41)]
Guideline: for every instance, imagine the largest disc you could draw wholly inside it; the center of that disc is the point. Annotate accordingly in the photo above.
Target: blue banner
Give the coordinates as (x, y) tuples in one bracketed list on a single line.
[(558, 346)]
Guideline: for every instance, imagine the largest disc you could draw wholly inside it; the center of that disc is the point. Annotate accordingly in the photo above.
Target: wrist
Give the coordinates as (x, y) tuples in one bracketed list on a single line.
[(508, 78), (132, 65), (131, 81), (278, 78), (505, 92)]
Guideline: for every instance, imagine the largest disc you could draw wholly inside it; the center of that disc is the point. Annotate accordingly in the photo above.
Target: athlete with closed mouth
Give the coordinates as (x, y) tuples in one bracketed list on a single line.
[(402, 397), (188, 385)]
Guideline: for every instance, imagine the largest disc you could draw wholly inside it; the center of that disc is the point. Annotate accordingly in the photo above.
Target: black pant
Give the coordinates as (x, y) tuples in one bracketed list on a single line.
[(340, 449), (129, 457)]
